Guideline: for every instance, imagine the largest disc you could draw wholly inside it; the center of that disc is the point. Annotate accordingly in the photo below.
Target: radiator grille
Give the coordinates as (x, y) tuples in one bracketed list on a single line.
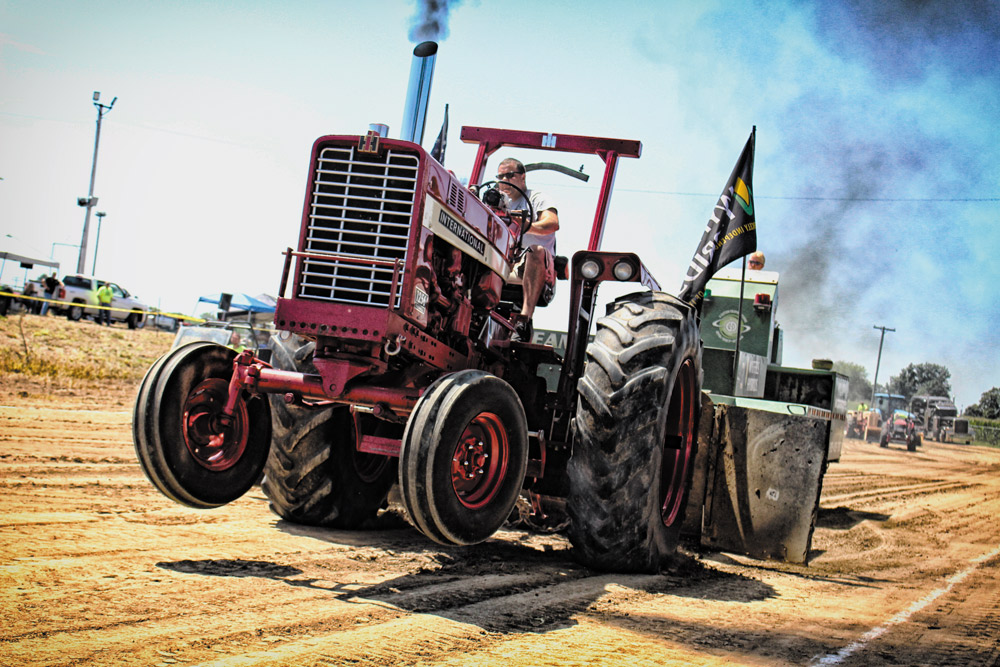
[(361, 208)]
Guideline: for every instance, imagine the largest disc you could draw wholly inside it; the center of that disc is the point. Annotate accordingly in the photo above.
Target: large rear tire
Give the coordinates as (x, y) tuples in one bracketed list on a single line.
[(636, 434), (184, 446), (464, 455), (314, 474)]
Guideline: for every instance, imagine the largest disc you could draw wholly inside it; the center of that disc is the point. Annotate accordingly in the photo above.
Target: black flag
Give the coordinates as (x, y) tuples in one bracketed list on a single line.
[(442, 141), (730, 234)]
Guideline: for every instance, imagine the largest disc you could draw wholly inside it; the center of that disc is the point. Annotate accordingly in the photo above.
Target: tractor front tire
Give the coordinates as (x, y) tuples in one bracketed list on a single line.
[(314, 474), (464, 455), (184, 443), (635, 435)]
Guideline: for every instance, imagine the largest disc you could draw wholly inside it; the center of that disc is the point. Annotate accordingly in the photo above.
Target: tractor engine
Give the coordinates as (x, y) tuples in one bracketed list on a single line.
[(397, 261)]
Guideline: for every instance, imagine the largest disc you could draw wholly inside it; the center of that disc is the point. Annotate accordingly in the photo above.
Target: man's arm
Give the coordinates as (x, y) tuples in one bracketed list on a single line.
[(547, 223)]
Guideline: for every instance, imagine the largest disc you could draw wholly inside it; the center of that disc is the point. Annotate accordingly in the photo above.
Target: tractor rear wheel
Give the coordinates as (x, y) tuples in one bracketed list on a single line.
[(464, 455), (636, 434), (185, 445), (314, 474)]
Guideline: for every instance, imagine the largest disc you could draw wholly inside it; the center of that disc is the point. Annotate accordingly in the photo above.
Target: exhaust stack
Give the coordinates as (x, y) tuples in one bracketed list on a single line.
[(418, 92)]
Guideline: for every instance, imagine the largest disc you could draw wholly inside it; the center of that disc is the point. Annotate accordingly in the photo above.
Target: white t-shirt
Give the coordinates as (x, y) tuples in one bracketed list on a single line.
[(539, 203)]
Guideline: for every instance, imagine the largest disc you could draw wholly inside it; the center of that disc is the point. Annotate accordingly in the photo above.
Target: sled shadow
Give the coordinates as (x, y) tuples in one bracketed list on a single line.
[(844, 518), (503, 585)]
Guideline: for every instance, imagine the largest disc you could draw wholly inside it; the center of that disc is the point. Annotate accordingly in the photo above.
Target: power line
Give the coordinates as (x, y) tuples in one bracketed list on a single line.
[(678, 193)]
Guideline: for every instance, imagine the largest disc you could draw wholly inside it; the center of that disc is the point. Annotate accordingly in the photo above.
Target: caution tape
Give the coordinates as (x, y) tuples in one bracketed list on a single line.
[(69, 304)]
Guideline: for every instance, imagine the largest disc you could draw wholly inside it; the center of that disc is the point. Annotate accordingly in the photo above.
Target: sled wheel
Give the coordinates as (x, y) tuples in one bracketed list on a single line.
[(911, 442), (636, 434), (883, 441), (464, 455), (185, 445), (314, 474)]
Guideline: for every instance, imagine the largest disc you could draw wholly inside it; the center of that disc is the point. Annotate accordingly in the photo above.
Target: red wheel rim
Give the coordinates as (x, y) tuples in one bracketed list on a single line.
[(479, 464), (212, 442), (678, 443)]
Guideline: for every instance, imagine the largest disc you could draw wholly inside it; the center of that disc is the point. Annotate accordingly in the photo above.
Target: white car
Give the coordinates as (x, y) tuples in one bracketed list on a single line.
[(81, 292)]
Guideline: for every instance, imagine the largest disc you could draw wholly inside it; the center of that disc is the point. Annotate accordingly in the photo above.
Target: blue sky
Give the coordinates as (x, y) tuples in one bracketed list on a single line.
[(877, 177)]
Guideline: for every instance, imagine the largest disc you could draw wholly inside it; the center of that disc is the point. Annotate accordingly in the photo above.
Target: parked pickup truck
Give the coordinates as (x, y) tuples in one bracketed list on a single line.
[(81, 291)]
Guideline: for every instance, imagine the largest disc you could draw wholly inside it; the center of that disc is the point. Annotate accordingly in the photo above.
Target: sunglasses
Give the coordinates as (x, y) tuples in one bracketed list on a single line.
[(508, 175), (751, 263)]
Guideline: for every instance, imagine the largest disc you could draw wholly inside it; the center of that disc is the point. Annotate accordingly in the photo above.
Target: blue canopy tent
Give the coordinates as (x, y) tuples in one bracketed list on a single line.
[(240, 302)]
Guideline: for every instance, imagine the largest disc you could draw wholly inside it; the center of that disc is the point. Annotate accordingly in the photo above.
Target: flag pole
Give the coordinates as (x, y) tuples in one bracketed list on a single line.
[(739, 324), (743, 281)]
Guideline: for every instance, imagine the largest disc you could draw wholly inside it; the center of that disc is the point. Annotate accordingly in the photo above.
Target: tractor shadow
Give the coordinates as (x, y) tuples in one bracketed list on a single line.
[(518, 581)]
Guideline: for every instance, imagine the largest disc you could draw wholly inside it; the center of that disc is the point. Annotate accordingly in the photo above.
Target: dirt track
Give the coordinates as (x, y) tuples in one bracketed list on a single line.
[(98, 568)]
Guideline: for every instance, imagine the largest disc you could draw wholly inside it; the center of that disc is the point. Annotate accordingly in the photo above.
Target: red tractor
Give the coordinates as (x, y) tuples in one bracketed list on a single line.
[(396, 363)]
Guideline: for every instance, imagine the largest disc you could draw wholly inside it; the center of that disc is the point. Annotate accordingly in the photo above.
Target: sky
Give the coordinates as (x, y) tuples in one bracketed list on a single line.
[(876, 179)]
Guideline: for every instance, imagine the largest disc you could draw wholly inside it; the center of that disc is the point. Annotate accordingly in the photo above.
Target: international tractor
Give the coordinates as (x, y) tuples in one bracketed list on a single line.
[(397, 364)]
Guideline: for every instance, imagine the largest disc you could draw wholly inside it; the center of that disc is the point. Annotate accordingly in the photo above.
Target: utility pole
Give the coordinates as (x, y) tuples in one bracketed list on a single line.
[(90, 201), (879, 361), (97, 242)]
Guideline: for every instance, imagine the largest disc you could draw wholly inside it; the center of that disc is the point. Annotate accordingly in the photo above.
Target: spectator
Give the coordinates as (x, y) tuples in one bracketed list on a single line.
[(756, 261), (104, 294), (52, 285), (236, 343)]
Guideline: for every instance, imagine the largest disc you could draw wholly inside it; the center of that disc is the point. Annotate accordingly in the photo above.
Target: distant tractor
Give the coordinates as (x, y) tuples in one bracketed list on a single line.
[(876, 416), (900, 427), (949, 428)]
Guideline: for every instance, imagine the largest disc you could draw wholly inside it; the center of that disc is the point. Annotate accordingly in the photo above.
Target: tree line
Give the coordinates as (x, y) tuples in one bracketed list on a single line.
[(915, 380)]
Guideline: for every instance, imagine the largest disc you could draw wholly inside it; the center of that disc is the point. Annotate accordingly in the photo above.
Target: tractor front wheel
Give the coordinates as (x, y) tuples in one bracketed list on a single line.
[(464, 455), (187, 447), (636, 434)]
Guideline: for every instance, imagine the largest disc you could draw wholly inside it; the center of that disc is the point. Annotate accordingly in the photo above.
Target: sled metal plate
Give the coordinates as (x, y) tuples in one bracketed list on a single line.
[(763, 483)]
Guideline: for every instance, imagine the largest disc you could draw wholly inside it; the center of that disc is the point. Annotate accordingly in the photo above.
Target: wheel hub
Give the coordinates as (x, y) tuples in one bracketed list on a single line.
[(215, 441), (479, 464)]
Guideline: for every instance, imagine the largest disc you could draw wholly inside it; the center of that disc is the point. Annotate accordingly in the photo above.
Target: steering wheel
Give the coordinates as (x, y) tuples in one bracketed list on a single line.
[(489, 185)]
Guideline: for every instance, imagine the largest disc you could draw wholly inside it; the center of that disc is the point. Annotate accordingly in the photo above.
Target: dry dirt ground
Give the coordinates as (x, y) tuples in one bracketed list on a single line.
[(98, 568)]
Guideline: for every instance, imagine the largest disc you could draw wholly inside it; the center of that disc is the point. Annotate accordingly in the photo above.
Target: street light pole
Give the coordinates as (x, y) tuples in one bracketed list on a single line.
[(91, 201), (97, 242), (878, 361)]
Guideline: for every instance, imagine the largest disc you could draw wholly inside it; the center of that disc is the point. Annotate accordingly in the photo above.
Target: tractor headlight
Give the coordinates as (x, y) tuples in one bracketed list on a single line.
[(590, 269), (624, 270)]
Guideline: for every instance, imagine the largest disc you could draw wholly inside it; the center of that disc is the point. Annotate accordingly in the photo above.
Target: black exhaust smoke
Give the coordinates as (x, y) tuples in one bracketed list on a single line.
[(418, 92)]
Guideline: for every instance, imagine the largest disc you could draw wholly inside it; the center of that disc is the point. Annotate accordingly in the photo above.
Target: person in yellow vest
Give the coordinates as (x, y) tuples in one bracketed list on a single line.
[(236, 342), (104, 294)]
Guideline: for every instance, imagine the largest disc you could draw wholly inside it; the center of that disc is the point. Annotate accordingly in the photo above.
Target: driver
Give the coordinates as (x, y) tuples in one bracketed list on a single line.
[(535, 271)]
